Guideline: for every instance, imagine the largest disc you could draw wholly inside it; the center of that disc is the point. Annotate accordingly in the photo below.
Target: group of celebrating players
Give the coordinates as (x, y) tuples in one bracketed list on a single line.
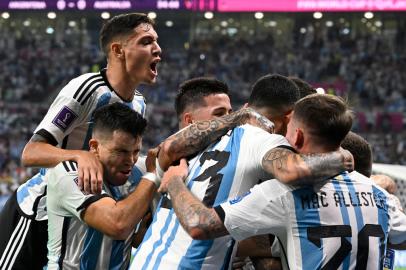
[(267, 181)]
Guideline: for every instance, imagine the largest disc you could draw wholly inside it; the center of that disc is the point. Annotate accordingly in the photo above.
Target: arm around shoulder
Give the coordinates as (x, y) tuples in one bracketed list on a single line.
[(291, 168)]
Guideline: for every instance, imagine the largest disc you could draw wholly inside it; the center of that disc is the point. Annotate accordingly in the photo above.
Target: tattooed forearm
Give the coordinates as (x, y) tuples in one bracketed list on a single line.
[(199, 135), (292, 168), (198, 220)]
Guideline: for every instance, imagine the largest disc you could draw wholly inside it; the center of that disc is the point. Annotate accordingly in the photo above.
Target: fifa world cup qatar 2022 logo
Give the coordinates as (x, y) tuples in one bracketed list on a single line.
[(64, 118)]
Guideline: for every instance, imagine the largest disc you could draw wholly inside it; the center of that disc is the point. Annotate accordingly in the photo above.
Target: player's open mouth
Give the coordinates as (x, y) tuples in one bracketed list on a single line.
[(126, 172), (153, 67)]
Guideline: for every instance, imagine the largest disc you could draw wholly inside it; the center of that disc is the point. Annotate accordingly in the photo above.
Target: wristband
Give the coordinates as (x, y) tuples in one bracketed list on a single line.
[(152, 177), (159, 171)]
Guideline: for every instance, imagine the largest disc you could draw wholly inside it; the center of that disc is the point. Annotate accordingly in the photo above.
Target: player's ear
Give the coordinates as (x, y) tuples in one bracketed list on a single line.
[(117, 50), (245, 105), (299, 138), (94, 146), (187, 119)]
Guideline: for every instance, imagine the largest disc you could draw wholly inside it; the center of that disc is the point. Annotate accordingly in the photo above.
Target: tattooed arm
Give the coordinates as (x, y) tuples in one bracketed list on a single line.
[(197, 136), (291, 168), (198, 221)]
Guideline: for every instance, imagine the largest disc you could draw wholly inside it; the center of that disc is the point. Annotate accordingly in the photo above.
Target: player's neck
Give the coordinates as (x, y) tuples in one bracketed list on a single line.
[(311, 148), (122, 85)]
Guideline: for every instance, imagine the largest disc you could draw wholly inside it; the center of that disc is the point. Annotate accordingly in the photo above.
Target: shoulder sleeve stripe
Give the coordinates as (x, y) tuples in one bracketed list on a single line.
[(220, 212), (91, 200), (287, 147), (83, 84), (89, 86), (65, 165), (48, 136), (92, 91), (73, 165)]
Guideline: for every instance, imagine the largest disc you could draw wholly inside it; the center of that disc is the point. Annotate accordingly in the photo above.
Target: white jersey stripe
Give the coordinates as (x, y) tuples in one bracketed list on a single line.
[(16, 243), (11, 241), (20, 243), (79, 89)]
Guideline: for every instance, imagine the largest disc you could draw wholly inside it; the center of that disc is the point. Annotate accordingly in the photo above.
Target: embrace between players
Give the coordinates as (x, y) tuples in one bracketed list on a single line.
[(87, 208)]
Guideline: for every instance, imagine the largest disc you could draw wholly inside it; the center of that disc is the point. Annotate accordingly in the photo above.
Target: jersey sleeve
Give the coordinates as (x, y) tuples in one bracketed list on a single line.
[(397, 230), (259, 142), (70, 200), (64, 114), (260, 211)]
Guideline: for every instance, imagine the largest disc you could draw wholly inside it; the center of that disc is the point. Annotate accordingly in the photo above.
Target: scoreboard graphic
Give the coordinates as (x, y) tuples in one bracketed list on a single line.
[(206, 5)]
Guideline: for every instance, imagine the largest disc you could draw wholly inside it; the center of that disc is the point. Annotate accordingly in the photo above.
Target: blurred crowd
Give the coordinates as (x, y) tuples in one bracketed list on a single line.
[(369, 70)]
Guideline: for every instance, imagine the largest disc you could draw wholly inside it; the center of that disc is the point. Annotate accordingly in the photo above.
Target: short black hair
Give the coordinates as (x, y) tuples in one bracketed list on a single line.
[(362, 152), (120, 25), (117, 116), (275, 92), (326, 117), (192, 92), (305, 88)]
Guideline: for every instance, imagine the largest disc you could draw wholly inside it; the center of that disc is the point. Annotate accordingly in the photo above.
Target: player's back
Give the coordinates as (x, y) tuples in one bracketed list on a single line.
[(224, 170), (342, 224)]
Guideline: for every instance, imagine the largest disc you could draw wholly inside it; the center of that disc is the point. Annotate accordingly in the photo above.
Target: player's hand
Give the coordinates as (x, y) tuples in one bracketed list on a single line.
[(385, 182), (151, 159), (348, 159), (90, 172), (174, 173), (252, 117)]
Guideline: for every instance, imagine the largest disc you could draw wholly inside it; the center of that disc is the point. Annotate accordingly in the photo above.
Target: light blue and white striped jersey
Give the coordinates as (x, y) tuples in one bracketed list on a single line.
[(342, 224), (225, 169), (72, 244), (68, 124)]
